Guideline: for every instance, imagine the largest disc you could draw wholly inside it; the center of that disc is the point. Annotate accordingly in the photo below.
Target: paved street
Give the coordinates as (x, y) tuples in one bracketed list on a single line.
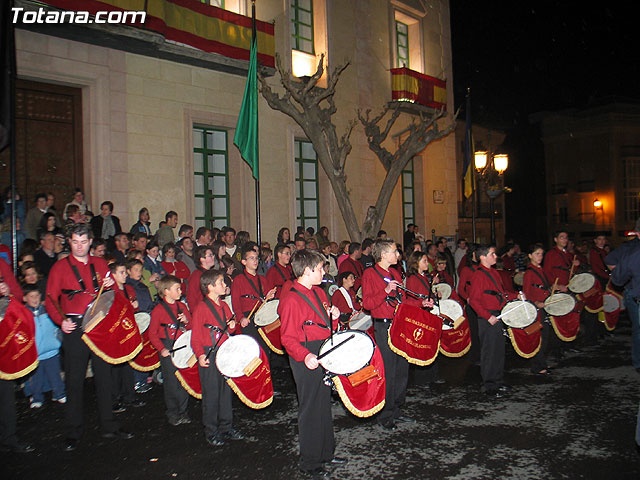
[(579, 423)]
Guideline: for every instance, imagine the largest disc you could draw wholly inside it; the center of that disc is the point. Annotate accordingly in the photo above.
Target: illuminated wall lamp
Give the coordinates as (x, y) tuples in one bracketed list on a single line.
[(303, 64), (597, 203)]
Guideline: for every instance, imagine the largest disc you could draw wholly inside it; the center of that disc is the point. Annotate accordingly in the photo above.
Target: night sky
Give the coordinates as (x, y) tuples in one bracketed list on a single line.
[(519, 58)]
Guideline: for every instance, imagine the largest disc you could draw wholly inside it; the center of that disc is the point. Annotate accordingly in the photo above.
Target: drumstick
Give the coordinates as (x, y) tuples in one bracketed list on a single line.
[(555, 284), (95, 303), (509, 311), (335, 346), (572, 265), (56, 305), (417, 295), (254, 309)]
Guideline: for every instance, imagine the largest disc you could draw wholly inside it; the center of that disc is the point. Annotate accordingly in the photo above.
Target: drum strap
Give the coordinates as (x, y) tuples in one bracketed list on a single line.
[(279, 269), (83, 287), (222, 322), (543, 277), (318, 308), (347, 297), (500, 292), (258, 290), (176, 322)]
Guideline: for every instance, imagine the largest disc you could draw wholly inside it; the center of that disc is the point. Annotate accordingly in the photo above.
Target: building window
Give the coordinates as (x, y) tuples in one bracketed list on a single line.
[(306, 172), (402, 44), (210, 177), (236, 6), (302, 25), (408, 195), (408, 42), (631, 189)]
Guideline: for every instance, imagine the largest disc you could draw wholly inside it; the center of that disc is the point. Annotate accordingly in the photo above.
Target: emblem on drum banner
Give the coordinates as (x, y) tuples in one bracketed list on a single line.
[(418, 333), (455, 342), (415, 334)]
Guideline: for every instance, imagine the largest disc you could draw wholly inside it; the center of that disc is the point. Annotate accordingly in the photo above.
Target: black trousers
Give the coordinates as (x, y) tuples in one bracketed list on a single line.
[(176, 398), (217, 413), (315, 422), (76, 358), (593, 329), (8, 418), (396, 371), (472, 318), (122, 383), (491, 354)]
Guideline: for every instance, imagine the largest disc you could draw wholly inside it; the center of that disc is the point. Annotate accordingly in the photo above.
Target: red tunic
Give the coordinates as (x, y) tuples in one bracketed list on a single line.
[(535, 284), (194, 294), (598, 267), (508, 263), (129, 293), (160, 316), (61, 277), (507, 280), (294, 312), (557, 265), (482, 295), (200, 334), (340, 301), (246, 291), (419, 284), (177, 268), (374, 298), (354, 266), (278, 275), (464, 284), (6, 275)]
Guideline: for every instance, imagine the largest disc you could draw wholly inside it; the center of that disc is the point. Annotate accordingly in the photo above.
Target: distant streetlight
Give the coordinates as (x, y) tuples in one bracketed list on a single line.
[(490, 167)]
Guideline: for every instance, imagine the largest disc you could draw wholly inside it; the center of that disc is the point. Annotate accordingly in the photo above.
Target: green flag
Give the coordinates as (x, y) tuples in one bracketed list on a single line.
[(246, 137)]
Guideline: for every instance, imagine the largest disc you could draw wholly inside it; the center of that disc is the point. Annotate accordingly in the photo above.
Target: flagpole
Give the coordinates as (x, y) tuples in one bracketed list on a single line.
[(257, 180), (12, 144)]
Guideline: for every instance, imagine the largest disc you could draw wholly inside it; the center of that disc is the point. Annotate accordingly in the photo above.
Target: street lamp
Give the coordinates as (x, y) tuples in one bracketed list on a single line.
[(490, 167)]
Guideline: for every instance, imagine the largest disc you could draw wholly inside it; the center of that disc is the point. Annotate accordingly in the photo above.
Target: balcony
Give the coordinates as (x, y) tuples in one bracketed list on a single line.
[(418, 89), (185, 31)]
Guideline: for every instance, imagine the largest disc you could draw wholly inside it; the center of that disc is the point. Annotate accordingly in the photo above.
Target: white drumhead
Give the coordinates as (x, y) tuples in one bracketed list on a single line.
[(227, 299), (359, 294), (518, 278), (443, 288), (559, 304), (582, 282), (332, 289), (451, 309), (360, 321), (518, 313), (100, 311), (181, 358), (267, 314), (610, 303), (143, 320), (349, 358), (235, 354)]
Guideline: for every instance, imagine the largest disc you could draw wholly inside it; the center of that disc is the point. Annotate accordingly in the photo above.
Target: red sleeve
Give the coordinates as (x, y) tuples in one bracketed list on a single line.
[(374, 297), (338, 300), (507, 281), (415, 285), (555, 266), (465, 283), (10, 280), (155, 330), (597, 265), (533, 288)]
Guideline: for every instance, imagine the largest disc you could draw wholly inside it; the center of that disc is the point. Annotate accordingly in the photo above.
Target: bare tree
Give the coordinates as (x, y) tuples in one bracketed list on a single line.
[(312, 107)]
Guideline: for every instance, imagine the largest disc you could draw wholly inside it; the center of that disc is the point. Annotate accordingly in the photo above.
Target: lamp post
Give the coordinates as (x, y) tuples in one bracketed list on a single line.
[(490, 168)]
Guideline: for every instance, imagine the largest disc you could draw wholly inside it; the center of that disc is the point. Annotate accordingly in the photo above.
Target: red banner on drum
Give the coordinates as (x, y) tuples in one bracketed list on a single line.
[(415, 334), (455, 342), (18, 354), (255, 390)]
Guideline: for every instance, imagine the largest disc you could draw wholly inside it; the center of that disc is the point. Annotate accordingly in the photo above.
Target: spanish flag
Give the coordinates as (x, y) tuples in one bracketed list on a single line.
[(467, 168)]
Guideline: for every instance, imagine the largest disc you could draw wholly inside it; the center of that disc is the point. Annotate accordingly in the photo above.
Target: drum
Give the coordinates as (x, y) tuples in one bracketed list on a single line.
[(559, 304), (611, 303), (18, 354), (360, 321), (518, 313), (189, 378), (148, 359), (227, 299), (143, 320), (267, 313), (182, 355), (348, 359), (453, 311), (584, 283), (110, 328), (444, 289), (518, 279), (455, 342), (359, 294), (236, 354), (611, 311), (332, 289)]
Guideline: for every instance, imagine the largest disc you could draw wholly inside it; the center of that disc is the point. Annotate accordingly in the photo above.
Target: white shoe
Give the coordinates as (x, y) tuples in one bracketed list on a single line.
[(62, 400), (35, 405)]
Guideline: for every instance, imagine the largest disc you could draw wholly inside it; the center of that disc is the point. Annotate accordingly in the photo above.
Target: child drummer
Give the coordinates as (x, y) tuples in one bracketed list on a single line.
[(212, 318), (169, 319), (306, 322)]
